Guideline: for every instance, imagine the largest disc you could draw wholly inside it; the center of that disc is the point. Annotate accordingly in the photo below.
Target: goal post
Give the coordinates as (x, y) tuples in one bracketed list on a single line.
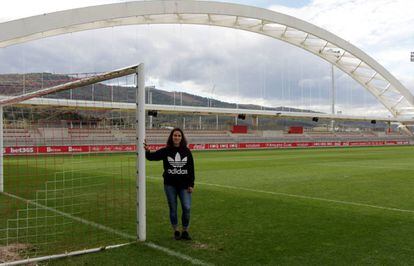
[(140, 120), (78, 187)]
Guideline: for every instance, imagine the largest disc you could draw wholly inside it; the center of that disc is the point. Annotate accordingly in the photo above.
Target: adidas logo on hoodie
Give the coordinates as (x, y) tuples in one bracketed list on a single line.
[(177, 162)]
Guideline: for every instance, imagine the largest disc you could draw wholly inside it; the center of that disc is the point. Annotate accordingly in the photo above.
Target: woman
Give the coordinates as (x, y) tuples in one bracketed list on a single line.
[(178, 178)]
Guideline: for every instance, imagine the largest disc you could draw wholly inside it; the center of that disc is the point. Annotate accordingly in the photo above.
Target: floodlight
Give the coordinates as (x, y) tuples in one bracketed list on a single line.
[(153, 113)]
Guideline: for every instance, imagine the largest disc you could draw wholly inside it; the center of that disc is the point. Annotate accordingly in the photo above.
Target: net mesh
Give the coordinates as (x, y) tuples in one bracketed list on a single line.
[(69, 170)]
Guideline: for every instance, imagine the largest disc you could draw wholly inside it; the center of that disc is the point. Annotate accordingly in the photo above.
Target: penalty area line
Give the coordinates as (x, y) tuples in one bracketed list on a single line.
[(114, 231), (311, 198), (305, 197)]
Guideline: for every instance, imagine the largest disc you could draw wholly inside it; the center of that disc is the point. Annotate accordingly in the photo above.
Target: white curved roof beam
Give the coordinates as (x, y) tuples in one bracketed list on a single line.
[(179, 109), (322, 43)]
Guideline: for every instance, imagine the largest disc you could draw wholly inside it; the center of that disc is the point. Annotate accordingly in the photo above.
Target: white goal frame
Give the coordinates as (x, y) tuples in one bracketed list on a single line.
[(138, 70)]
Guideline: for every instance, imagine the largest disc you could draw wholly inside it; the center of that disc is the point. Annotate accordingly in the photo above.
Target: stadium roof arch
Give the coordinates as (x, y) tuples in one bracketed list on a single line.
[(357, 64)]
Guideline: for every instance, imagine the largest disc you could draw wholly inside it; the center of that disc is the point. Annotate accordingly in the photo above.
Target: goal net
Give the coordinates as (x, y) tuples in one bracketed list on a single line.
[(68, 167)]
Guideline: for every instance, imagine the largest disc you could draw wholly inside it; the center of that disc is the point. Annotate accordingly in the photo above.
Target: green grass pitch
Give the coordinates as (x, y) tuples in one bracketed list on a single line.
[(337, 206)]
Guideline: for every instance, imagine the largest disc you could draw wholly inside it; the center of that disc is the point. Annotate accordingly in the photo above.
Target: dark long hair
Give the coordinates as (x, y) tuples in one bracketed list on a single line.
[(170, 142)]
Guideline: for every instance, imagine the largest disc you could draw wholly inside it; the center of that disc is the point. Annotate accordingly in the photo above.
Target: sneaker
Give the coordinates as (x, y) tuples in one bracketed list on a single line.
[(185, 235), (177, 235)]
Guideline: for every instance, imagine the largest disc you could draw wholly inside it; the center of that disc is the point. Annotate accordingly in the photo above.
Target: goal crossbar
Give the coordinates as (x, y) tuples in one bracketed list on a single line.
[(70, 85)]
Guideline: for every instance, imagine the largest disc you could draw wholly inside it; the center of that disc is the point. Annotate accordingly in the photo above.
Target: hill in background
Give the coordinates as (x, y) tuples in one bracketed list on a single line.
[(12, 84)]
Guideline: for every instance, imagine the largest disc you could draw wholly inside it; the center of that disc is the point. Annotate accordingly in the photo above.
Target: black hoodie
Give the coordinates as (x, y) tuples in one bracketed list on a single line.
[(178, 165)]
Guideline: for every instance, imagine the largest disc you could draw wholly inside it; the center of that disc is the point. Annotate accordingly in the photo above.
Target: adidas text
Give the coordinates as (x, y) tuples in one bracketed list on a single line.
[(176, 171)]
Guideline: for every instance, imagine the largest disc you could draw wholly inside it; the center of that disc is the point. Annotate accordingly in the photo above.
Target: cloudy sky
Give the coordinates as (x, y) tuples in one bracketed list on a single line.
[(228, 64)]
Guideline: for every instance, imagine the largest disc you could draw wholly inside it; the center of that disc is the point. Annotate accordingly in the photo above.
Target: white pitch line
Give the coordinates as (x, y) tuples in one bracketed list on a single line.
[(312, 198), (370, 166), (304, 197), (114, 231), (81, 220), (176, 254)]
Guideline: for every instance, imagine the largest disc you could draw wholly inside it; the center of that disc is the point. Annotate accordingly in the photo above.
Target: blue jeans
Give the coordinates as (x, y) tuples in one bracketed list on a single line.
[(185, 199)]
